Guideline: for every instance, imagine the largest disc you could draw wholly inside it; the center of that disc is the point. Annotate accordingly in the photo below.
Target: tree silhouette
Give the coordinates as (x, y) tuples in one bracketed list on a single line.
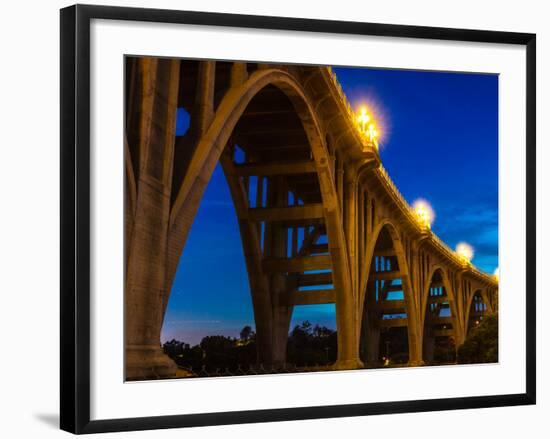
[(246, 333), (307, 345), (481, 346)]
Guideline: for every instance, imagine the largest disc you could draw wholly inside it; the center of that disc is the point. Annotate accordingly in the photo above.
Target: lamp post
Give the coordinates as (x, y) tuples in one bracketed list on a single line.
[(363, 119), (367, 126), (465, 252), (424, 213)]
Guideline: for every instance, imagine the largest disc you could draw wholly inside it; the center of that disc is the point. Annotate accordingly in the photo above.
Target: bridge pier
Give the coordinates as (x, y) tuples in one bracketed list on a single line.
[(348, 346), (272, 339), (146, 219), (428, 347), (415, 345), (372, 337)]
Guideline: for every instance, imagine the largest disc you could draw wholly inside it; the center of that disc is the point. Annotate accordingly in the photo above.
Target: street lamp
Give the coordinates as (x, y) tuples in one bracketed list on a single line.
[(367, 126), (424, 213), (465, 252), (363, 119)]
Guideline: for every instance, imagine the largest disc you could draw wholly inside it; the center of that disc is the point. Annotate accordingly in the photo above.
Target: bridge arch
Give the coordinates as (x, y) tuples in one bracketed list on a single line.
[(438, 328), (477, 307), (272, 300), (387, 265), (230, 111)]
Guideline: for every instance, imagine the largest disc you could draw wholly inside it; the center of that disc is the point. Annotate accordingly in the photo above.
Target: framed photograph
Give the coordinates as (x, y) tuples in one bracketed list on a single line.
[(268, 218)]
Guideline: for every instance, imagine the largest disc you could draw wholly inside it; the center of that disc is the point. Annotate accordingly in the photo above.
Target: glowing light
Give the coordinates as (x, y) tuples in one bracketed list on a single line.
[(465, 251), (367, 126), (496, 274), (424, 213), (372, 133), (363, 118)]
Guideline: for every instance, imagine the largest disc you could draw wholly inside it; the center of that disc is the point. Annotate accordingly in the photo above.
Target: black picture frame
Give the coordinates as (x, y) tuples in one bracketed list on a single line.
[(75, 217)]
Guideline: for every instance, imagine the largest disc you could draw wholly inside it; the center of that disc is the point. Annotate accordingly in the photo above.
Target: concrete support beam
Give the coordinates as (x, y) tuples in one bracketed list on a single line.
[(318, 248), (204, 103), (313, 279), (393, 323), (440, 320), (385, 253), (386, 275), (282, 168), (393, 288), (390, 305), (313, 297), (296, 265), (286, 214), (438, 299), (310, 239), (239, 73)]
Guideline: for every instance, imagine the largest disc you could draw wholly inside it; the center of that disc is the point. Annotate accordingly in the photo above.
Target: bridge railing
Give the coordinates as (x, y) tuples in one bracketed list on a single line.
[(341, 93), (350, 113)]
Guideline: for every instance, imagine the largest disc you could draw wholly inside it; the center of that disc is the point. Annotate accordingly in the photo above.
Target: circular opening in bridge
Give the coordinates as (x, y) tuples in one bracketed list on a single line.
[(183, 121)]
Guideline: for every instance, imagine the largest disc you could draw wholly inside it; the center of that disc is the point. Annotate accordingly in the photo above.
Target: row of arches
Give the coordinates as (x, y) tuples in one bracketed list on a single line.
[(390, 317)]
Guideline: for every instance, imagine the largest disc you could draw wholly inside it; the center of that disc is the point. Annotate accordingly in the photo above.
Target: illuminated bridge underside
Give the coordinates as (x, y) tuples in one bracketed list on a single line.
[(320, 220)]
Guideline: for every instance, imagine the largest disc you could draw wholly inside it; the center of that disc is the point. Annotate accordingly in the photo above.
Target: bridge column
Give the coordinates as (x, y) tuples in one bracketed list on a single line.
[(415, 351), (460, 301), (281, 312), (350, 223), (428, 346), (460, 336), (347, 314), (460, 330), (346, 309), (145, 289), (370, 340), (415, 329), (416, 284)]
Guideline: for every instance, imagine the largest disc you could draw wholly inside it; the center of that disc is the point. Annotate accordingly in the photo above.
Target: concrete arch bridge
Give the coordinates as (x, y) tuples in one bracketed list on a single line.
[(320, 219)]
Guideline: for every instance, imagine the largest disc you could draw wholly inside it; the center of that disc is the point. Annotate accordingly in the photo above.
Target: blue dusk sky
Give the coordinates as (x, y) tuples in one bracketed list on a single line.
[(439, 142)]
